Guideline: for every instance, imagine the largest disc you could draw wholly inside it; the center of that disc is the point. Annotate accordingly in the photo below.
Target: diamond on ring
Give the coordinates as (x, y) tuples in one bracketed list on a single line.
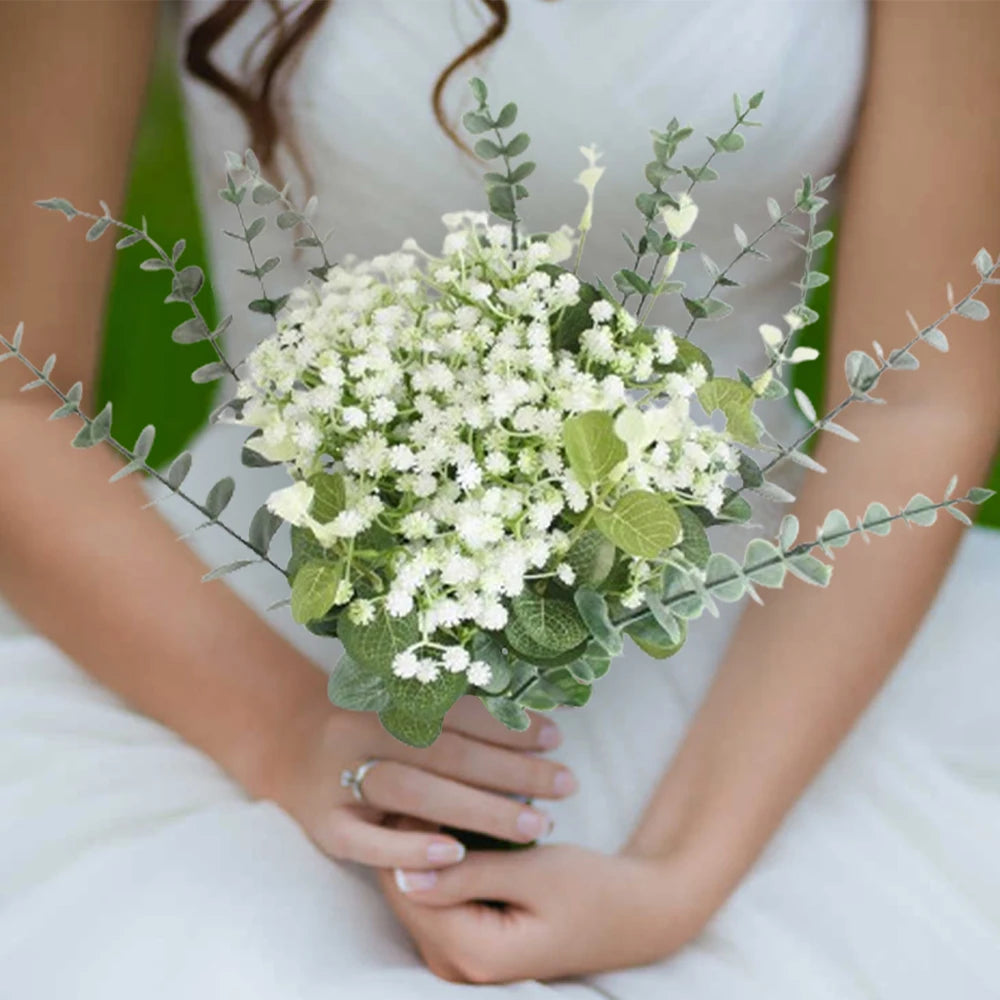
[(354, 779)]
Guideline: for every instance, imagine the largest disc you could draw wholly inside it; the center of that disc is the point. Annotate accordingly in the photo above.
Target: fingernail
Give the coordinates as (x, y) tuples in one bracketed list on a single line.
[(564, 783), (414, 881), (445, 852), (549, 736), (533, 824)]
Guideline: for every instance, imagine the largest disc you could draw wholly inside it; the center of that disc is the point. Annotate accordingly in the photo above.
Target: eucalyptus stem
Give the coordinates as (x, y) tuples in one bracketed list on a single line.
[(142, 235), (886, 362), (136, 462), (716, 146), (304, 220), (506, 162), (824, 542), (803, 291), (744, 251)]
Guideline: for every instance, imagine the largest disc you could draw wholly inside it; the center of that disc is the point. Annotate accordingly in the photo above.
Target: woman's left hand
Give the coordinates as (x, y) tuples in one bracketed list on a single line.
[(567, 911)]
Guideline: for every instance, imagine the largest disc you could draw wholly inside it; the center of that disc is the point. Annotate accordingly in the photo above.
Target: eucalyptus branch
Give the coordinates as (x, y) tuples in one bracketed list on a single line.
[(265, 193), (503, 191), (766, 563), (863, 372), (265, 303), (291, 217), (747, 249), (97, 430), (730, 142), (186, 282)]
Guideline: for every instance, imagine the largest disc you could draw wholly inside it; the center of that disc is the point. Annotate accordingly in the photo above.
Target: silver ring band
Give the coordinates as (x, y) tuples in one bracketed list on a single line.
[(354, 779)]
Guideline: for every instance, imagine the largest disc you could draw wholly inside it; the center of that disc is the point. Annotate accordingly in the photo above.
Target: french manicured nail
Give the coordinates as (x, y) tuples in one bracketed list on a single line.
[(445, 852), (549, 736), (564, 783), (414, 881), (533, 824)]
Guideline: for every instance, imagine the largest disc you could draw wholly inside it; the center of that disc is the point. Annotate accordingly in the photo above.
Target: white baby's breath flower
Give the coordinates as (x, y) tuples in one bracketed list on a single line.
[(427, 670), (479, 673), (398, 603), (406, 664), (601, 311), (292, 503), (455, 659), (666, 345), (361, 612)]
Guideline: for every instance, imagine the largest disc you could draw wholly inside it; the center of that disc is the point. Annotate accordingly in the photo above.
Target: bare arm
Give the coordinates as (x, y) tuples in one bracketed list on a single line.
[(921, 196), (80, 559), (107, 581)]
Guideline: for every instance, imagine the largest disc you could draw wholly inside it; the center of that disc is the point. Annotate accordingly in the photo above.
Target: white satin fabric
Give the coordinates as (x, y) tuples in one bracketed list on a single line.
[(131, 867)]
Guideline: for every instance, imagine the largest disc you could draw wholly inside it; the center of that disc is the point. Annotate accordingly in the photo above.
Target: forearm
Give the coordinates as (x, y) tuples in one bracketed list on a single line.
[(108, 582), (799, 671)]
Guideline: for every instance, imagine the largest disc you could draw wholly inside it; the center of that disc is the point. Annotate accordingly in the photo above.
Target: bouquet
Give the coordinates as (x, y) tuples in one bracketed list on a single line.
[(498, 470)]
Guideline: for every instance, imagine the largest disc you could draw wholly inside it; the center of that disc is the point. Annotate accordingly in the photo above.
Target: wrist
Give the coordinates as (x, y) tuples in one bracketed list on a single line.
[(268, 746), (685, 888)]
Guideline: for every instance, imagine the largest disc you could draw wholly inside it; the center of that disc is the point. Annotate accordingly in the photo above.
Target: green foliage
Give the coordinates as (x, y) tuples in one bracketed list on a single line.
[(503, 190), (314, 590), (353, 687), (735, 401), (551, 625), (641, 523), (593, 450), (140, 369), (591, 557)]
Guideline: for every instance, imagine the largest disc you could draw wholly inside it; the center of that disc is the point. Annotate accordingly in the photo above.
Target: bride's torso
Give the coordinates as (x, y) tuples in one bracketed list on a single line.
[(359, 103)]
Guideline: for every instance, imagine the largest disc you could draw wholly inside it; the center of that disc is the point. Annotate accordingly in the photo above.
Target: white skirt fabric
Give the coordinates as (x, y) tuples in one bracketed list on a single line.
[(131, 867)]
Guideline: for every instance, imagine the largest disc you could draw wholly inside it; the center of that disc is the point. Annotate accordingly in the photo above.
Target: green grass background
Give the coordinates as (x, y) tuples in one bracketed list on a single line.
[(147, 375)]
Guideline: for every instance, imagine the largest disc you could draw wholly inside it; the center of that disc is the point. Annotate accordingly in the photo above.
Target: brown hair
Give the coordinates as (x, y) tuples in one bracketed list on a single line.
[(288, 29)]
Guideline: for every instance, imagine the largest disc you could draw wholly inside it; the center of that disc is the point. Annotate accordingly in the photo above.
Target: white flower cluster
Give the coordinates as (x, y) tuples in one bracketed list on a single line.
[(435, 387)]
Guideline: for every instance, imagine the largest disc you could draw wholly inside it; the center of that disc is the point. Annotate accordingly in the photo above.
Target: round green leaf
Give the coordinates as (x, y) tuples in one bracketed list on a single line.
[(592, 447), (314, 589), (641, 523), (552, 624)]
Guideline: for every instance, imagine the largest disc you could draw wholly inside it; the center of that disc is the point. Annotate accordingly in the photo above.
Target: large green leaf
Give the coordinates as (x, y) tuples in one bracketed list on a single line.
[(305, 548), (552, 624), (487, 647), (512, 715), (735, 400), (649, 636), (573, 320), (330, 496), (352, 687), (641, 523), (416, 711), (593, 610), (314, 589), (593, 449), (592, 664), (694, 542), (375, 645), (591, 557)]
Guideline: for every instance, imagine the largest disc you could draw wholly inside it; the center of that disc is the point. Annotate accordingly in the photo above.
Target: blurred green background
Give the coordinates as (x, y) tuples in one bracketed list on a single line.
[(143, 371), (147, 375)]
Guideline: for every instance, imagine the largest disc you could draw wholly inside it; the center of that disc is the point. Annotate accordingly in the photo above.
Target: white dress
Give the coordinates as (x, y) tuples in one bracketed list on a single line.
[(130, 867)]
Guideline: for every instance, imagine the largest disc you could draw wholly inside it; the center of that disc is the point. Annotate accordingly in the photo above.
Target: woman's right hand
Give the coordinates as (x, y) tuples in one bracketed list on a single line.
[(464, 780)]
